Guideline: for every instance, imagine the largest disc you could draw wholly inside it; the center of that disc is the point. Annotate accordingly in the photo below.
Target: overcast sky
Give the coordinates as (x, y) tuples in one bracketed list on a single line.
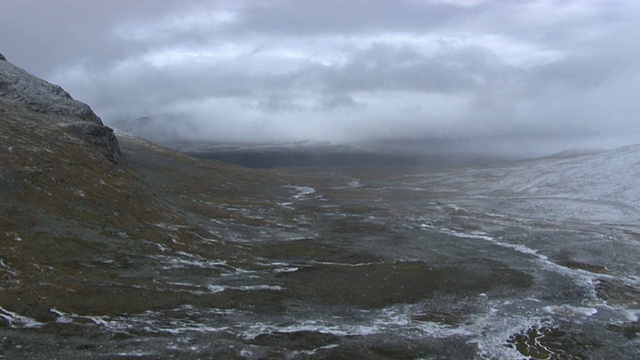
[(345, 70)]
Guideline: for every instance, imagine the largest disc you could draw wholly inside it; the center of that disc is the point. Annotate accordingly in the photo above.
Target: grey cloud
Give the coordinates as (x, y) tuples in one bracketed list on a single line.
[(305, 68), (337, 101), (384, 67), (277, 103), (340, 17), (575, 73), (42, 35)]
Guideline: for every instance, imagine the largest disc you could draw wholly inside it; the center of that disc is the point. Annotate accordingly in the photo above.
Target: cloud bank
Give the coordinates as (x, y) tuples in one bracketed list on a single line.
[(333, 70)]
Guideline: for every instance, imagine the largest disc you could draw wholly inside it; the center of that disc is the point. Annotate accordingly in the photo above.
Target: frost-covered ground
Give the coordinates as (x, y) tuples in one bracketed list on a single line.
[(534, 259), (598, 187), (157, 255)]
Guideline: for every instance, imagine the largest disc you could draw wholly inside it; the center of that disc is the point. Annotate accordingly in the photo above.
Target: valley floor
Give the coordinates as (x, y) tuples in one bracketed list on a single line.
[(533, 260)]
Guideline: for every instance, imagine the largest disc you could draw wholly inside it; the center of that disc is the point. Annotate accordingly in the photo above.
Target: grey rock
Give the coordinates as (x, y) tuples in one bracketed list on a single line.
[(100, 136), (49, 99), (2, 57)]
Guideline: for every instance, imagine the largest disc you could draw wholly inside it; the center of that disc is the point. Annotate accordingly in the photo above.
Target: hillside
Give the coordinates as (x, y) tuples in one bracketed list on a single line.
[(598, 187), (77, 214), (18, 87), (112, 247)]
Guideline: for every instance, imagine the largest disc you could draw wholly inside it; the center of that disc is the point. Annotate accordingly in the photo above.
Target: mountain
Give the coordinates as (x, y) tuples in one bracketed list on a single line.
[(112, 247), (295, 154), (80, 210), (19, 87), (599, 187), (325, 154)]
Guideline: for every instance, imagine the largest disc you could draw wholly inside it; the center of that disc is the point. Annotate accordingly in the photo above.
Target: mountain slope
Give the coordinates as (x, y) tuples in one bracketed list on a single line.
[(608, 175), (598, 187), (51, 101), (79, 222), (160, 255)]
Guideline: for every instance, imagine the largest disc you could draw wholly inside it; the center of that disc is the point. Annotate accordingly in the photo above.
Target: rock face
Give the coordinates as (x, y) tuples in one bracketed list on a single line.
[(37, 95)]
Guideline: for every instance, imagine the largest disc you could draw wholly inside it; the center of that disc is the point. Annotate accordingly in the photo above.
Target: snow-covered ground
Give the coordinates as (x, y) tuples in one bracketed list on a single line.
[(601, 187)]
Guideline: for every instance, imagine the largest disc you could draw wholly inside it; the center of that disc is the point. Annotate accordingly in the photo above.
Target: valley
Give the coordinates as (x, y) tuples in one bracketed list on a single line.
[(112, 247)]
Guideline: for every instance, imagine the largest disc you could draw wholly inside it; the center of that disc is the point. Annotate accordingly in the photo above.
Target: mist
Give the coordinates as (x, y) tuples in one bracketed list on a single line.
[(482, 76)]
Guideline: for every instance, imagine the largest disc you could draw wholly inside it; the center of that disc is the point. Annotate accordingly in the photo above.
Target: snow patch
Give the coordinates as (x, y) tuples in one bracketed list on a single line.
[(302, 191), (6, 268), (17, 321), (570, 311), (222, 288), (392, 319)]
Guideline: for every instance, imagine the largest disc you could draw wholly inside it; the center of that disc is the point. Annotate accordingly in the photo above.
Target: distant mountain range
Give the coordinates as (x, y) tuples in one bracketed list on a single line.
[(317, 153)]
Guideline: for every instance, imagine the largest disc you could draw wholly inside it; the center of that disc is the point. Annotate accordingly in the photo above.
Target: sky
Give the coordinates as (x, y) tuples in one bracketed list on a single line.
[(344, 71)]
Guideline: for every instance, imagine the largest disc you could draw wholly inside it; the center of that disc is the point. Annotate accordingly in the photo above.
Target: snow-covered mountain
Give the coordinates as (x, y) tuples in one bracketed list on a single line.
[(600, 186), (606, 176)]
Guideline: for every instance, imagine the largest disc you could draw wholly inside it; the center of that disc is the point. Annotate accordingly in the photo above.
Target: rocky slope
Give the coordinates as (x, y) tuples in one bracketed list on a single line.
[(147, 253), (81, 212), (19, 87)]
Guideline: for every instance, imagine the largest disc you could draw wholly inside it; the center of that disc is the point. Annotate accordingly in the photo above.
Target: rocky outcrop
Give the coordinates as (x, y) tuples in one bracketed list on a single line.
[(51, 100)]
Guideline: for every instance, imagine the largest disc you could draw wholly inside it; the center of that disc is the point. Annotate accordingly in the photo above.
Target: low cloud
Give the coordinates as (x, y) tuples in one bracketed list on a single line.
[(328, 70)]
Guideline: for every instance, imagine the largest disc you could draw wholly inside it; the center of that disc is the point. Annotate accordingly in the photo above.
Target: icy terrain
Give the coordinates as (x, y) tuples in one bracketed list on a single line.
[(534, 259), (597, 187), (165, 256)]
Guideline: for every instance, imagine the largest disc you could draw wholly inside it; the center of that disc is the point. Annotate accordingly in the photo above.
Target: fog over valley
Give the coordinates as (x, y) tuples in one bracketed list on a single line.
[(492, 76), (320, 179)]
